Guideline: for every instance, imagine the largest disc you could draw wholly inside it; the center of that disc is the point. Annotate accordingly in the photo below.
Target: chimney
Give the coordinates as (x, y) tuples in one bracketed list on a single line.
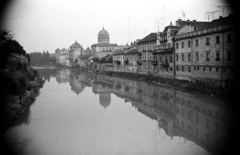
[(194, 20), (170, 23), (220, 17), (179, 20)]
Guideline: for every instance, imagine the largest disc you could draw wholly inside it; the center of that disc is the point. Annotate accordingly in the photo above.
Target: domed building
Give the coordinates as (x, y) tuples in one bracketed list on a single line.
[(103, 36), (75, 51), (103, 47)]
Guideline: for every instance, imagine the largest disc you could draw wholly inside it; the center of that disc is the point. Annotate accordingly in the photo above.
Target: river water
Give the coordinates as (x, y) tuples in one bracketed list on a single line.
[(85, 113)]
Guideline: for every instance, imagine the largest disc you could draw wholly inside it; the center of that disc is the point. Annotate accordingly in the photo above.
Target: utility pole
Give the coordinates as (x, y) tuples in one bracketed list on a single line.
[(223, 7)]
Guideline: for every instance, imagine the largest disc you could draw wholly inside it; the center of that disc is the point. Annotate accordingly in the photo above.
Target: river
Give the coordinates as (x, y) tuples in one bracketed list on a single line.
[(85, 113)]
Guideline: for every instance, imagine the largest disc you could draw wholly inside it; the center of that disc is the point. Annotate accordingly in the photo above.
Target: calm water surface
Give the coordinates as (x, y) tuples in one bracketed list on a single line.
[(85, 113)]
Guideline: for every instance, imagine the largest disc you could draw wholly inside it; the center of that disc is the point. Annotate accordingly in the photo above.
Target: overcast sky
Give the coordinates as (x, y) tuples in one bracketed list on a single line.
[(45, 25)]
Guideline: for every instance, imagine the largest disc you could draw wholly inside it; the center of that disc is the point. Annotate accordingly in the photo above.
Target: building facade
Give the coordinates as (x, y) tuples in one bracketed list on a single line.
[(206, 54), (147, 46)]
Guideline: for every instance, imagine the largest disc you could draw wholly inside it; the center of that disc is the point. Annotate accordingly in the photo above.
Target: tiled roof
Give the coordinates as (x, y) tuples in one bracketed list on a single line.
[(85, 56), (149, 38), (104, 45), (222, 21), (119, 52), (171, 27), (199, 25), (132, 51)]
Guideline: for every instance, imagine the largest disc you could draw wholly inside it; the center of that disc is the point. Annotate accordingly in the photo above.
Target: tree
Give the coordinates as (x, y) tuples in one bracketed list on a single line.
[(8, 46)]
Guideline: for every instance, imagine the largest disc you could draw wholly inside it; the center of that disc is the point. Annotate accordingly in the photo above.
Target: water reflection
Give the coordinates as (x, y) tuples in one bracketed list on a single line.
[(46, 73), (205, 121)]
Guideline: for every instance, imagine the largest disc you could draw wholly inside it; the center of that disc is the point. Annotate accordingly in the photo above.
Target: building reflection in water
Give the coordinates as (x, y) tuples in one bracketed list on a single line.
[(199, 119)]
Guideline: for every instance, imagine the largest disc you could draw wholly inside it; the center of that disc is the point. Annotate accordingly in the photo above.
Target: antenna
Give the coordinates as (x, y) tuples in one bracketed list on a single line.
[(210, 14), (154, 25), (162, 21), (128, 31), (223, 7), (164, 14)]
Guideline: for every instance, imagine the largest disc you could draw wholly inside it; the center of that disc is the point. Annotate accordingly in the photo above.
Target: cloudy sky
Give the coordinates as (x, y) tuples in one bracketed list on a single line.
[(44, 25)]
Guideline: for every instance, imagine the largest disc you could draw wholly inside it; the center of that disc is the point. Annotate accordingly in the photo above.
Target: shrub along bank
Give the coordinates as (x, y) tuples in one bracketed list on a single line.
[(19, 82)]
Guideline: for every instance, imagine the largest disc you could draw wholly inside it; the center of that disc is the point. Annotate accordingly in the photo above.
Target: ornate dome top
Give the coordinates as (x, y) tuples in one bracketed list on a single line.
[(103, 34)]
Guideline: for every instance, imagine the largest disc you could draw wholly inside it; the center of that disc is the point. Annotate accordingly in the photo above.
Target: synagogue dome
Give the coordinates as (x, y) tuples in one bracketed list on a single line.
[(103, 34)]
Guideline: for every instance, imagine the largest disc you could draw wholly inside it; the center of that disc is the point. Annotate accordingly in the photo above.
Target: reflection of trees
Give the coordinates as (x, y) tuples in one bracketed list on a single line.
[(12, 144), (45, 73)]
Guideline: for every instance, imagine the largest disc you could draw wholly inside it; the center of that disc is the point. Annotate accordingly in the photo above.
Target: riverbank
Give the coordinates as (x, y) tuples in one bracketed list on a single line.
[(226, 92), (15, 107)]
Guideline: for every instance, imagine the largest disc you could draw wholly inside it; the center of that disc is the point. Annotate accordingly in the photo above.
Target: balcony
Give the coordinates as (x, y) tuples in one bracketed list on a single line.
[(165, 64), (154, 62), (139, 63)]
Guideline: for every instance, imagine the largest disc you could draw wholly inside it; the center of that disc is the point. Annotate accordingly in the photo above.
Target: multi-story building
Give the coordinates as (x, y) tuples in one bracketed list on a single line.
[(147, 46), (63, 55), (205, 51), (165, 52), (75, 51)]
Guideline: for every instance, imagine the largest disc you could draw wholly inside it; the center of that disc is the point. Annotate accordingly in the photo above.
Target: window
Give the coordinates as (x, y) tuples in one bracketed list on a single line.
[(197, 56), (189, 43), (216, 69), (194, 68), (189, 57), (217, 39), (170, 68), (166, 59), (160, 59), (210, 69), (207, 41), (197, 42), (229, 55), (176, 57), (182, 44), (229, 38), (217, 56), (177, 68), (182, 57), (170, 59), (203, 68), (207, 56), (177, 45), (182, 68), (189, 69)]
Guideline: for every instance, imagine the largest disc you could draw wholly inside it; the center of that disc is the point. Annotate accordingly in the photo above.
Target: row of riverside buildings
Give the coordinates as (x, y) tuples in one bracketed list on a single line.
[(188, 50)]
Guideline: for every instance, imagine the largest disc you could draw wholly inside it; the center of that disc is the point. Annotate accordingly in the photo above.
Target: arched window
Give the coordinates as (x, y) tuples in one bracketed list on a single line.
[(171, 59), (166, 59)]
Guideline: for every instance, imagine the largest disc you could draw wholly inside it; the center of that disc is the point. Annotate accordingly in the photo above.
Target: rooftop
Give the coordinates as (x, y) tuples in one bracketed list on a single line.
[(149, 38), (132, 51)]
